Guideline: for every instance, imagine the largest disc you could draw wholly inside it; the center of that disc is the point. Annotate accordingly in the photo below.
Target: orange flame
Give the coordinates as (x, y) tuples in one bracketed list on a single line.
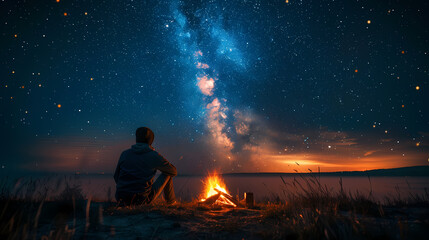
[(212, 182)]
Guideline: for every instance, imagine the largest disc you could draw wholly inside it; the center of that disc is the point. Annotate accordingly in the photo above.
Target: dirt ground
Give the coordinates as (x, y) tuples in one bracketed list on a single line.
[(188, 221)]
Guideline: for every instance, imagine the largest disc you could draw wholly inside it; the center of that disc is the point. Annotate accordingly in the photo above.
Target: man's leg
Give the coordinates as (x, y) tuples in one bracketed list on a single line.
[(163, 182), (169, 195)]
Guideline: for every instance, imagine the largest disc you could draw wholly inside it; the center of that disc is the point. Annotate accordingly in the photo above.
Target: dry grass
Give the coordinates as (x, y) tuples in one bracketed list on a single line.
[(308, 209)]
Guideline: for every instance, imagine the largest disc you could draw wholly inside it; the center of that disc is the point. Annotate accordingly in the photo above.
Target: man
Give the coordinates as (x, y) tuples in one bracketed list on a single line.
[(136, 169)]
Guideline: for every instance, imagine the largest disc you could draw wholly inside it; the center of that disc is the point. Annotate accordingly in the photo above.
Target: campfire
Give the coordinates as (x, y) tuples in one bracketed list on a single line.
[(216, 192)]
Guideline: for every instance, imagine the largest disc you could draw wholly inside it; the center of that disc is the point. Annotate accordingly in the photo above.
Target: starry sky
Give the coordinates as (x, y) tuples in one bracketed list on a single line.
[(237, 86)]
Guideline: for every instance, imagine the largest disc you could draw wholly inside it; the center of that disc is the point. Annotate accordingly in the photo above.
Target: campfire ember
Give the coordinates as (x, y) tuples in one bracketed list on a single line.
[(216, 193)]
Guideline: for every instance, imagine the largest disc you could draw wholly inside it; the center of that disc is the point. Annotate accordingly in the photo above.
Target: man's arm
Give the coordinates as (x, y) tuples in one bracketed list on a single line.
[(166, 167)]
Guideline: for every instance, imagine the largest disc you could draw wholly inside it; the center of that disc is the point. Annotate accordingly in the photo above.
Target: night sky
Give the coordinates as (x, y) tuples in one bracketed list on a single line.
[(237, 86)]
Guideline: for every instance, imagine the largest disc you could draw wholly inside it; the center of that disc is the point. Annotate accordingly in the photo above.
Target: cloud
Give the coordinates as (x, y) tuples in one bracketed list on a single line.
[(368, 153), (198, 54), (206, 85), (202, 65), (216, 124), (261, 147)]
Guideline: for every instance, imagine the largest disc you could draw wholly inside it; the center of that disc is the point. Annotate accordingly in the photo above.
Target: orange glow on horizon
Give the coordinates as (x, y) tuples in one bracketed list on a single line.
[(337, 163), (69, 155), (348, 152)]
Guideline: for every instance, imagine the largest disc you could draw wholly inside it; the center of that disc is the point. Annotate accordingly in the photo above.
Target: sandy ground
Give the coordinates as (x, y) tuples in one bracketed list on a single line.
[(168, 223), (186, 224)]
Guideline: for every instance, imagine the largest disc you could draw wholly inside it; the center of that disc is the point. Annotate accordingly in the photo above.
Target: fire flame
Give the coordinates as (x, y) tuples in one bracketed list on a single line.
[(214, 185)]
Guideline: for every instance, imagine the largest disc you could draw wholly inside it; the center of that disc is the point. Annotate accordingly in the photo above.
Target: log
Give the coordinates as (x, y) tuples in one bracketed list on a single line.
[(248, 196), (211, 199), (229, 197)]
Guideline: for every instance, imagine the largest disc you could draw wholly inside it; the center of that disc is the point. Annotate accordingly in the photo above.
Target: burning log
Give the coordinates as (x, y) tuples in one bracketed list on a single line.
[(211, 199), (227, 196), (216, 193)]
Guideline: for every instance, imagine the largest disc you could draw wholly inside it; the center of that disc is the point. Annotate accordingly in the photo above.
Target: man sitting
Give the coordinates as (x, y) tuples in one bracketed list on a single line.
[(136, 170)]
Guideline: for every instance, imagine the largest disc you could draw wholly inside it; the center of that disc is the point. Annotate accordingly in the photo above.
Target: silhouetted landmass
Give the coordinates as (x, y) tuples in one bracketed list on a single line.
[(415, 171)]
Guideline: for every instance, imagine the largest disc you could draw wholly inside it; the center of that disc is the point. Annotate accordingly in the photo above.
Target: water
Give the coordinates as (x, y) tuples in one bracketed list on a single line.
[(268, 187)]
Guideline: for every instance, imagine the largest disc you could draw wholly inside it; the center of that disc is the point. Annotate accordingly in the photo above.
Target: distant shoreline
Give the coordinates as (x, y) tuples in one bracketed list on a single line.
[(414, 171)]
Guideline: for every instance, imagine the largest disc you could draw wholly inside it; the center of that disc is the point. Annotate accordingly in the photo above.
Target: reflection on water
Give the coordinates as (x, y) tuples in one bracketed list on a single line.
[(268, 187)]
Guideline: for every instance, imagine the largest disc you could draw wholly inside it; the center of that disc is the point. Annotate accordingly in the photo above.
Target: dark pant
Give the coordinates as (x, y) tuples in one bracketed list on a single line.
[(163, 182)]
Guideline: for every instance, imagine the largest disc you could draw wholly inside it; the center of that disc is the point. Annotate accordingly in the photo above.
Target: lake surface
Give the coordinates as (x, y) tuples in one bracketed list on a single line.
[(269, 187), (264, 188)]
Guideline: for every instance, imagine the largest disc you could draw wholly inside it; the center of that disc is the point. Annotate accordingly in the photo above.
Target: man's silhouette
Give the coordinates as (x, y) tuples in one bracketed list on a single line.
[(136, 169)]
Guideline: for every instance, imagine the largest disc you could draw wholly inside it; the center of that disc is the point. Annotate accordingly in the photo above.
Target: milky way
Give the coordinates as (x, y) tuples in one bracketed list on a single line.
[(236, 86), (216, 109)]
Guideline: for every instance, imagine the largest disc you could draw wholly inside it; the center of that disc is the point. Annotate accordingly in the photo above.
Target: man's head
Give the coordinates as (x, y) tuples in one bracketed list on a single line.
[(144, 135)]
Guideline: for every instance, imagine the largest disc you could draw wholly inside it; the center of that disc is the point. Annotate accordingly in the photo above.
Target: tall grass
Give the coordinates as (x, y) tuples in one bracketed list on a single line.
[(28, 202), (307, 209)]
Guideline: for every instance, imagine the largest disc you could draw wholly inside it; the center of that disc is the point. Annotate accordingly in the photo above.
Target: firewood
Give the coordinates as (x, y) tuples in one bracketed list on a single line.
[(211, 199), (227, 196)]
